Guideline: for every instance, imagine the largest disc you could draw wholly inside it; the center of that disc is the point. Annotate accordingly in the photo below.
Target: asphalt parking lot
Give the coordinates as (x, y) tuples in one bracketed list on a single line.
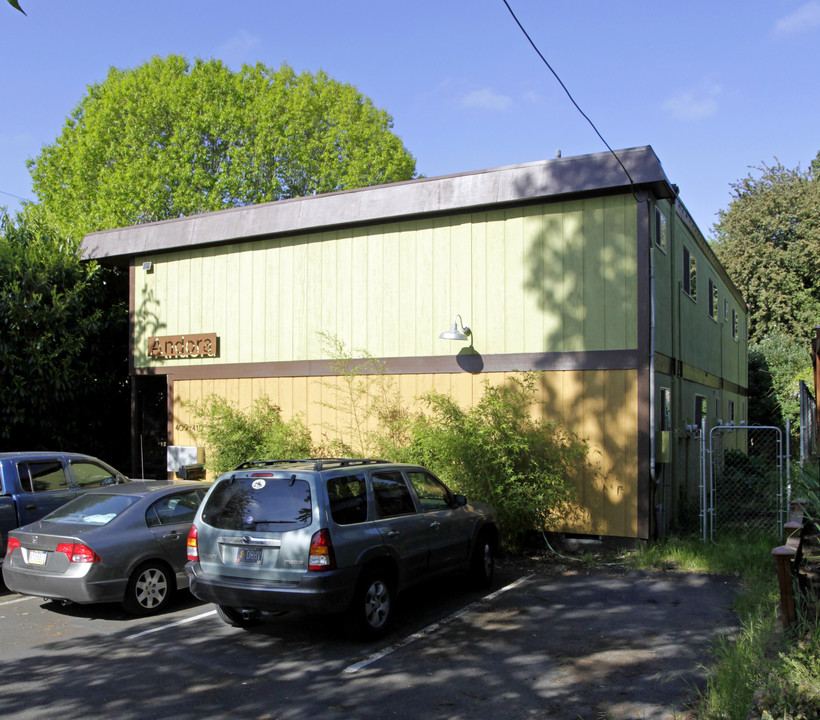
[(544, 643)]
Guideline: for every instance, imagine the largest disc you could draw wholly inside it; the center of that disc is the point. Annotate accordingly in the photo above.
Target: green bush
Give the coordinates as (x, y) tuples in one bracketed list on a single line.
[(232, 436), (496, 452)]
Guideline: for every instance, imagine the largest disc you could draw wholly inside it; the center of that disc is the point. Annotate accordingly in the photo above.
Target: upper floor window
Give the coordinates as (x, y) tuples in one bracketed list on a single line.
[(734, 323), (660, 229), (690, 274), (713, 300)]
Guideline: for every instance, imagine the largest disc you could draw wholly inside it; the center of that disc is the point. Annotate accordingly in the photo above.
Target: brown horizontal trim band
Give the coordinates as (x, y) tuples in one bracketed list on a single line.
[(669, 366), (465, 361)]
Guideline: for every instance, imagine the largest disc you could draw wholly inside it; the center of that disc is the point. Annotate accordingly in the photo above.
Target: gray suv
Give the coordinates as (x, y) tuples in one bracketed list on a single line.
[(332, 535)]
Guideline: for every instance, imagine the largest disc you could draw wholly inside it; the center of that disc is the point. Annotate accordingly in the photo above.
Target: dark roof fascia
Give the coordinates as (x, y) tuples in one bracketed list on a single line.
[(485, 189)]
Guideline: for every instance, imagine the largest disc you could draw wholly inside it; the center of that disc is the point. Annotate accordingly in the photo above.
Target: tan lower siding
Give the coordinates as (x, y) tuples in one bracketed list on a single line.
[(599, 405)]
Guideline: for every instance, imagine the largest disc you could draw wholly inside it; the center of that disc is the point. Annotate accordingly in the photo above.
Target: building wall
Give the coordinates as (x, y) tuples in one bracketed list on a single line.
[(700, 360), (558, 277), (600, 406)]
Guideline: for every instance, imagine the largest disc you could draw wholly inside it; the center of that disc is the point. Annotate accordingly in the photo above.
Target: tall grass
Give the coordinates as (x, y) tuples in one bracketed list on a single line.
[(741, 662)]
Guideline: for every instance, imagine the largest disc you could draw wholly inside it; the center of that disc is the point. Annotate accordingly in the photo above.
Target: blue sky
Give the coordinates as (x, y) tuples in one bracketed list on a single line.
[(713, 87)]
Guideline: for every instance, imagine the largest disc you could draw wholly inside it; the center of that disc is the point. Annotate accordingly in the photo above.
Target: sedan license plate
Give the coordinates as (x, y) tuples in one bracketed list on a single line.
[(249, 555), (37, 557)]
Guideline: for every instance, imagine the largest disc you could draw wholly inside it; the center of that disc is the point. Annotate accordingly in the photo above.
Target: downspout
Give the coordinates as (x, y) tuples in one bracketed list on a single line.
[(652, 474)]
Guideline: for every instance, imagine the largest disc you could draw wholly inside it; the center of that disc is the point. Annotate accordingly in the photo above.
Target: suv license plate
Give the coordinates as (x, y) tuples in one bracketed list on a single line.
[(249, 555)]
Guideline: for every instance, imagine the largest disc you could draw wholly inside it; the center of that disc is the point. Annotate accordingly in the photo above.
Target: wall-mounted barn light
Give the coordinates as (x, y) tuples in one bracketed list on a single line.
[(454, 333)]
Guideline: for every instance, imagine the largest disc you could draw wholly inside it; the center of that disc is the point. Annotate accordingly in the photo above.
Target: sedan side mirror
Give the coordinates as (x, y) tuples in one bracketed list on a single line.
[(461, 500)]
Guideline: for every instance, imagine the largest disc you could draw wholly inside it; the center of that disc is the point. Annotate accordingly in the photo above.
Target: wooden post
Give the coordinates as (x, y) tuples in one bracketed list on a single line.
[(784, 556)]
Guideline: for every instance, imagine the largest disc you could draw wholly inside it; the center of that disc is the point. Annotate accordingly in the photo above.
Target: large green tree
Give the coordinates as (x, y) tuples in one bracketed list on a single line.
[(768, 239), (172, 138), (63, 334)]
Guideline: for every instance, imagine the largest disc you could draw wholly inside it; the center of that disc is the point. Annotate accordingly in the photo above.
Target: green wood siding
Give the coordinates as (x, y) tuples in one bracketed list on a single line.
[(544, 278)]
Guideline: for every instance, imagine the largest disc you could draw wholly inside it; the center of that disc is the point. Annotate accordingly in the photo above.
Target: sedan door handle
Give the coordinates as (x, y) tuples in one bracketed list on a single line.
[(393, 533), (435, 524), (31, 506)]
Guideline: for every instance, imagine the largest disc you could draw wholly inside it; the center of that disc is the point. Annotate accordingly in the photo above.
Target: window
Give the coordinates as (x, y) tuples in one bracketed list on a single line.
[(92, 475), (690, 286), (179, 508), (431, 493), (92, 509), (392, 494), (730, 412), (666, 409), (251, 503), (348, 499), (713, 300), (734, 324), (660, 229), (42, 476), (701, 410), (725, 309)]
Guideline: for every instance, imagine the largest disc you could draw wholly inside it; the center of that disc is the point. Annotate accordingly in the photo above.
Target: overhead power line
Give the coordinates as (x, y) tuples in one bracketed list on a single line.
[(569, 95)]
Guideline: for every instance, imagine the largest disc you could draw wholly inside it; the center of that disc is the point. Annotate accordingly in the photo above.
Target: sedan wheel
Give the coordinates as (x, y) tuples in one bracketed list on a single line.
[(149, 589)]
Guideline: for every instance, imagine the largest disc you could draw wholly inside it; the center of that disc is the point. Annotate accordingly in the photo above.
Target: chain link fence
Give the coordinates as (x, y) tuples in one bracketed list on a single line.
[(744, 481)]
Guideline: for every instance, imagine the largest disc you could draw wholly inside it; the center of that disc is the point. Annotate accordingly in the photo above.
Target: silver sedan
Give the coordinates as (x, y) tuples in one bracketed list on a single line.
[(124, 543)]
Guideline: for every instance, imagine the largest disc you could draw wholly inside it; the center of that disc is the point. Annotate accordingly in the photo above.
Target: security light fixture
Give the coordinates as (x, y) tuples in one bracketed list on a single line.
[(454, 333), (147, 266)]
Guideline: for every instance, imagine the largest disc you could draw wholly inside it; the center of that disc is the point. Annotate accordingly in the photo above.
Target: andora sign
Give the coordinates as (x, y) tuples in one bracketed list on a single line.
[(182, 346)]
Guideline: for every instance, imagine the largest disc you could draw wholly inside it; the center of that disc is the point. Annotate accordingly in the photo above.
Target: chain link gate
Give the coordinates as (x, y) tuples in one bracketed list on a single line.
[(744, 480)]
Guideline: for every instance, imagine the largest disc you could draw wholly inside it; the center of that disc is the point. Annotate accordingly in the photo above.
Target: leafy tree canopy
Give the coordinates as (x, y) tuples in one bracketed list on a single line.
[(63, 326), (172, 138), (768, 239)]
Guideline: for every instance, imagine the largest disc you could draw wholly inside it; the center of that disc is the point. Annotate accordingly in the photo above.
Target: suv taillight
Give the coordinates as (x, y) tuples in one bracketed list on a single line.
[(321, 552), (10, 545), (193, 547), (78, 553)]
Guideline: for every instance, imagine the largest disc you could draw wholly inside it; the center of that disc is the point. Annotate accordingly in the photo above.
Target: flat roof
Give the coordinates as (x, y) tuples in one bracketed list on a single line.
[(464, 192)]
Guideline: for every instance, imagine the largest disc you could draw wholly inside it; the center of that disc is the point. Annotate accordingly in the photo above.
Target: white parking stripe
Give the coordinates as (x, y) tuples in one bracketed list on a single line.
[(170, 625), (430, 629), (21, 599)]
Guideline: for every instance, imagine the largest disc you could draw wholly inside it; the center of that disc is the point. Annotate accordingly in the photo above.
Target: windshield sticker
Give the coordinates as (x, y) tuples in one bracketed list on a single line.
[(258, 484)]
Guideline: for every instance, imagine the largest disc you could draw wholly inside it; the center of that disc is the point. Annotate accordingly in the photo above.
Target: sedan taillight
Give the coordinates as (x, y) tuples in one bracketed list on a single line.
[(193, 547), (10, 545), (321, 551), (78, 553)]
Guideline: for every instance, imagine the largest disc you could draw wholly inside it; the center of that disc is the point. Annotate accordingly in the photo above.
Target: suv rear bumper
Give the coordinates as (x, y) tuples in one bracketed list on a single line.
[(320, 593)]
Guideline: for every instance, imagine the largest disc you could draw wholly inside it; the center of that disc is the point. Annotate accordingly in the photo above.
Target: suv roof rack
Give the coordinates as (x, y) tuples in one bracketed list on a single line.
[(264, 463), (318, 463), (321, 463)]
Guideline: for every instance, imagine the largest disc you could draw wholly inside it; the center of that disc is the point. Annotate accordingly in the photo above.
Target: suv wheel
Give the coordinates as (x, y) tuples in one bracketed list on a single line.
[(372, 606), (236, 618), (482, 562)]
